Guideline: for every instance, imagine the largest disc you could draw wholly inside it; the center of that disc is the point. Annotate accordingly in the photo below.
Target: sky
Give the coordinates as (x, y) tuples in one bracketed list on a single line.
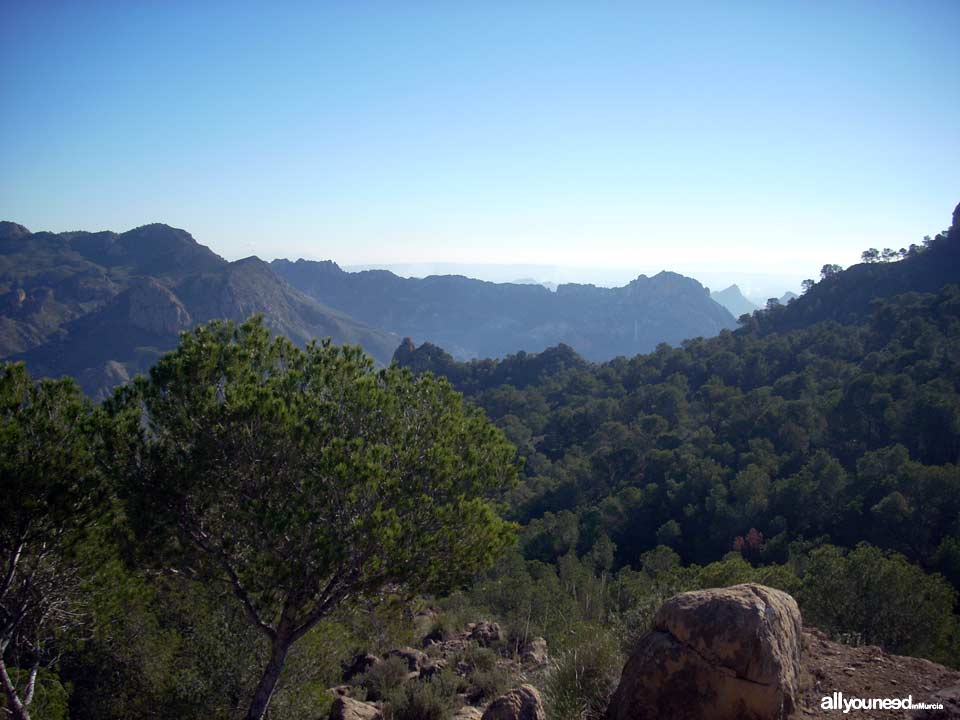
[(740, 137)]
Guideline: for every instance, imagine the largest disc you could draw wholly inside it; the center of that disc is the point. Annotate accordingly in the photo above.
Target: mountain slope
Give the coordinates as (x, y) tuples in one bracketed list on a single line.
[(473, 318), (847, 296), (102, 307)]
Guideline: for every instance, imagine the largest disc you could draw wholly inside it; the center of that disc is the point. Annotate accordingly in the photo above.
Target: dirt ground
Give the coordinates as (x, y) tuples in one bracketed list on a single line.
[(867, 672)]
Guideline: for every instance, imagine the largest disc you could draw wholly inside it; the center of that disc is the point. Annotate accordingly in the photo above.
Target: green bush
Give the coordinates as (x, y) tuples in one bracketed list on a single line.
[(444, 627), (384, 678), (485, 685), (882, 597), (478, 658), (427, 700)]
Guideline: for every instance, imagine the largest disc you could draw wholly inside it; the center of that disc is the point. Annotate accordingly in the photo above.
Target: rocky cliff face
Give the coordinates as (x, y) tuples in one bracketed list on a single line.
[(104, 306), (152, 307)]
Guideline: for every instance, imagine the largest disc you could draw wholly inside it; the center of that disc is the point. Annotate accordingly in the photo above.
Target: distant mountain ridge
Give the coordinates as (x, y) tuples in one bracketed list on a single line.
[(104, 306), (734, 300), (474, 318)]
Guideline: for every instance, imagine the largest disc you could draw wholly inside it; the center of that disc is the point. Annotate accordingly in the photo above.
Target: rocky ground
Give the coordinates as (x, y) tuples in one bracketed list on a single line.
[(868, 671), (481, 651), (490, 670)]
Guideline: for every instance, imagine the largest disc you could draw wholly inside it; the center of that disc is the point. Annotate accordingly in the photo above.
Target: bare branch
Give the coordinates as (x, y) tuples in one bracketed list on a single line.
[(237, 586), (31, 684)]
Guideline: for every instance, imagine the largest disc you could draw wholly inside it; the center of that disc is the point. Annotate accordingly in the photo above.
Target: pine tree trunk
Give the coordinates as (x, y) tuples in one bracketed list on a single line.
[(17, 709), (268, 681)]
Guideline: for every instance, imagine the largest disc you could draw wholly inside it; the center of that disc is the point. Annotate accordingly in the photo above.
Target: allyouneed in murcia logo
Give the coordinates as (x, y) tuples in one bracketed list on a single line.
[(837, 701)]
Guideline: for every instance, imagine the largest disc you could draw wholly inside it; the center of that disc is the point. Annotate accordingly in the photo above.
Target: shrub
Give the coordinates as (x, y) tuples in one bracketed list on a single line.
[(427, 700), (384, 678), (443, 628), (882, 597), (581, 679), (478, 658), (486, 685)]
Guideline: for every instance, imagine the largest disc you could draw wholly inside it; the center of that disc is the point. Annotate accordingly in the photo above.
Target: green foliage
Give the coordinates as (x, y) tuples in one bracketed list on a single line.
[(582, 679), (485, 678), (304, 478), (827, 433), (881, 597), (424, 700), (381, 680), (53, 497), (51, 697), (313, 445), (486, 685)]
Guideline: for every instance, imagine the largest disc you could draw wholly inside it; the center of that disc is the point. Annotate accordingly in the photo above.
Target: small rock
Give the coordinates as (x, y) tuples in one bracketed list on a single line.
[(431, 668), (522, 703), (414, 658), (345, 708), (534, 652), (486, 633), (359, 665), (468, 712)]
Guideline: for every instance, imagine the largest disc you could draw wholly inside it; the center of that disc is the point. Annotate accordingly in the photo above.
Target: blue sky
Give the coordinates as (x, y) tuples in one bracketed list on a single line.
[(766, 137)]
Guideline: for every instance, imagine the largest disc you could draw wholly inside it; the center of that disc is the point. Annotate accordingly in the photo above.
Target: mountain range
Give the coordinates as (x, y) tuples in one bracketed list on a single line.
[(474, 318), (102, 307)]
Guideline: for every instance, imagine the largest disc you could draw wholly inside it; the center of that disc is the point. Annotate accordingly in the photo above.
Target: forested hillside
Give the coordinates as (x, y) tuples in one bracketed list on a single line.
[(837, 433), (765, 442)]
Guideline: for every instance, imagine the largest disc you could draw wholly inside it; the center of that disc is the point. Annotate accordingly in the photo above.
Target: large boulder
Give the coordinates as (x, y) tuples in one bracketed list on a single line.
[(522, 703), (345, 708), (723, 654)]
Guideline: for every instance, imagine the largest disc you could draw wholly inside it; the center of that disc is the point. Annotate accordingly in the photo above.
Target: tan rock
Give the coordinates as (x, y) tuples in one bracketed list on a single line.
[(722, 654), (468, 712), (358, 665), (486, 633), (534, 652), (345, 708), (414, 658), (522, 703), (432, 668)]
